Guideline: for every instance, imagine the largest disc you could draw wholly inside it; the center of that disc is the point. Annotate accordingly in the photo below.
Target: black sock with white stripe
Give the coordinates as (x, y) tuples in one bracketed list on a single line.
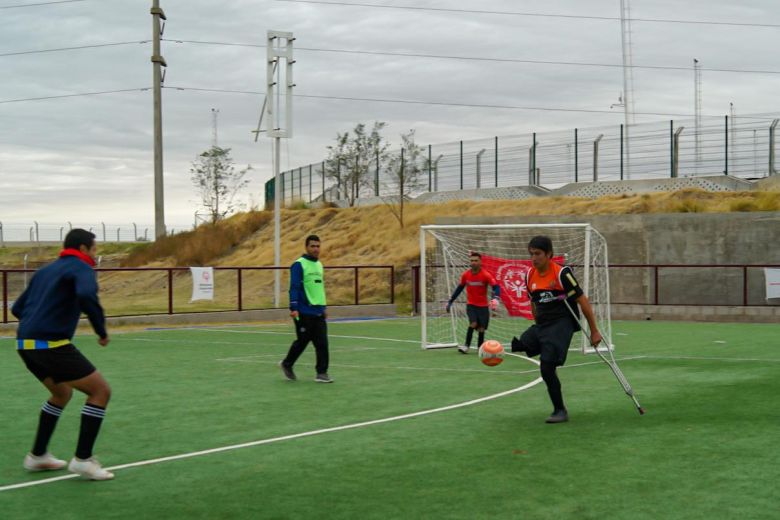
[(48, 421), (91, 419)]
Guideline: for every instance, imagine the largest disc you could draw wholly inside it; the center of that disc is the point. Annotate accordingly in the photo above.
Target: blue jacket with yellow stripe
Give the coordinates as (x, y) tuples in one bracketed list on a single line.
[(50, 307)]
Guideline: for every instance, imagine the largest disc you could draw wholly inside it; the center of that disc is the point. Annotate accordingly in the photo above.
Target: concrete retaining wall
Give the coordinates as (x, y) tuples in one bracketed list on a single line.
[(682, 239)]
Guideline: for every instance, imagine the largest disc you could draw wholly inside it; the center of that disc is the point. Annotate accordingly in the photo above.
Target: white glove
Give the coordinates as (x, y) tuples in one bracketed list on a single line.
[(493, 304)]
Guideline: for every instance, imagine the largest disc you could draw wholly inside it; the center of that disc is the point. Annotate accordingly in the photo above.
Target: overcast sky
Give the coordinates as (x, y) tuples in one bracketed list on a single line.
[(89, 158)]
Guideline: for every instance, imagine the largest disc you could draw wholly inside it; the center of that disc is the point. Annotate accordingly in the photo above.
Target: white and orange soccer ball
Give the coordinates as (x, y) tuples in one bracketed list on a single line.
[(491, 353)]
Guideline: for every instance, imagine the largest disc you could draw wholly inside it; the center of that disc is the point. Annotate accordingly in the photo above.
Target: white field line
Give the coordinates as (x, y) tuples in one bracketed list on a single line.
[(282, 438), (711, 358)]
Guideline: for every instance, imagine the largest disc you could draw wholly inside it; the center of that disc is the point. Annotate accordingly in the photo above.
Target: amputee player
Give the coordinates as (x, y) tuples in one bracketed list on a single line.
[(551, 286)]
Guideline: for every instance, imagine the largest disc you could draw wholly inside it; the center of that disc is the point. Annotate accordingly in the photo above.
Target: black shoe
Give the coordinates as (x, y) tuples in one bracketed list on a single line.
[(287, 371), (517, 346), (558, 416), (323, 378)]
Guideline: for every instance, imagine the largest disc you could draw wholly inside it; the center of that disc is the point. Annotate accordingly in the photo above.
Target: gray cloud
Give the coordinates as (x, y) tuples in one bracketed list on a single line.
[(90, 158)]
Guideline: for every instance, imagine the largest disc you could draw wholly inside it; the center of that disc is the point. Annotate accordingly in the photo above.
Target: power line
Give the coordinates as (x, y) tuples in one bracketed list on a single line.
[(40, 4), (429, 103), (81, 94), (472, 58), (539, 15), (59, 49)]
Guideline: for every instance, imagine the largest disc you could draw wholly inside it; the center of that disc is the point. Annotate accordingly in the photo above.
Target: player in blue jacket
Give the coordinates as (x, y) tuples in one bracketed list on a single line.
[(48, 312)]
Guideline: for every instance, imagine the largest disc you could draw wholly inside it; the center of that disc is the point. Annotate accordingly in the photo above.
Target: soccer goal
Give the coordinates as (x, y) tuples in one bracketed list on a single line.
[(444, 256)]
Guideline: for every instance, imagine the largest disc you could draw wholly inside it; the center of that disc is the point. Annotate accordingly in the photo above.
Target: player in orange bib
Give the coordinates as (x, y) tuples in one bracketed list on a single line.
[(551, 286), (476, 282)]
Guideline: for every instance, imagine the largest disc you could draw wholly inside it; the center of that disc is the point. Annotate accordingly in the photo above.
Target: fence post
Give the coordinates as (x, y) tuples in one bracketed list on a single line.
[(37, 234), (772, 170), (621, 152), (2, 242), (338, 179), (300, 183), (357, 287), (310, 168), (323, 182), (577, 156), (5, 297), (495, 148), (430, 168), (479, 168), (596, 157), (117, 233), (436, 172), (240, 293), (676, 159), (726, 142), (281, 189), (533, 170), (671, 147), (103, 225), (376, 176), (170, 291), (461, 165), (392, 284)]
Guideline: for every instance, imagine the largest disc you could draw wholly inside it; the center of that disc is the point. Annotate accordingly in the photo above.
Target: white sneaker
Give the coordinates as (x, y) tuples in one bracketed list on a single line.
[(45, 462), (89, 469)]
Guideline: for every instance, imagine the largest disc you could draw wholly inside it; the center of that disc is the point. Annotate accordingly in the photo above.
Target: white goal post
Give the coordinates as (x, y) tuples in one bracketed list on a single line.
[(444, 256)]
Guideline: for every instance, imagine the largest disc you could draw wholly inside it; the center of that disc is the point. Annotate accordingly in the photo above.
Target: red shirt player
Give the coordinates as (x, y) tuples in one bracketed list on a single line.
[(476, 281)]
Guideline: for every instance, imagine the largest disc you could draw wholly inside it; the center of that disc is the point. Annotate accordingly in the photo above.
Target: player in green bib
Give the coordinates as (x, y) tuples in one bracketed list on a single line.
[(308, 311)]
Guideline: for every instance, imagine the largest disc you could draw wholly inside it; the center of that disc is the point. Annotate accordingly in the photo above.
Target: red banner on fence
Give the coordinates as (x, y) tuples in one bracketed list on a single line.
[(510, 275)]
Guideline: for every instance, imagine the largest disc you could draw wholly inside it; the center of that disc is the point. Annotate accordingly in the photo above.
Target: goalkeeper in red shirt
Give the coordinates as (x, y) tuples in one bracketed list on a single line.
[(476, 282)]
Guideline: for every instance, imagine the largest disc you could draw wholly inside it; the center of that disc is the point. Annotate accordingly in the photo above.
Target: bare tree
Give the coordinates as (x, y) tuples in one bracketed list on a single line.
[(404, 175), (353, 157), (218, 182)]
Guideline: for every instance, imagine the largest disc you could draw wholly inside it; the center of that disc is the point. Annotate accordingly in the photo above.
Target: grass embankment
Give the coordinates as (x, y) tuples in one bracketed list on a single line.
[(351, 236)]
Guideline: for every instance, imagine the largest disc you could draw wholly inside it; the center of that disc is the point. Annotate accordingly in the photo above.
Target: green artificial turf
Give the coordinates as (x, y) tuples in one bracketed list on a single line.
[(707, 447)]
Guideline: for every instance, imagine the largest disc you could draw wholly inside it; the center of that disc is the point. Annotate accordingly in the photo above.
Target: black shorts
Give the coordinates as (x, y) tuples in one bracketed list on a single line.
[(550, 340), (61, 364), (480, 315)]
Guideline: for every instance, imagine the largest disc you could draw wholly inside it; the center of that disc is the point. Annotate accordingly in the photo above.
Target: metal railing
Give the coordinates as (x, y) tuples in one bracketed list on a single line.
[(355, 295), (741, 146), (704, 285)]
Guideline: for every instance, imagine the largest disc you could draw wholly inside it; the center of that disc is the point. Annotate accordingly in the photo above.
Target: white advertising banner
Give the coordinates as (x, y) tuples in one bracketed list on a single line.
[(772, 283), (202, 283)]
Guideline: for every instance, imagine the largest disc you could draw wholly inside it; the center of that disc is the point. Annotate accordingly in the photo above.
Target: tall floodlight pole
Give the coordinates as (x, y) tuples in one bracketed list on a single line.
[(279, 46), (697, 109), (628, 77), (158, 77)]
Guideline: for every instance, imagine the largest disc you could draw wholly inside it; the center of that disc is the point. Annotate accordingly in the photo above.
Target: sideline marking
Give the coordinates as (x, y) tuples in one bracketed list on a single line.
[(282, 438)]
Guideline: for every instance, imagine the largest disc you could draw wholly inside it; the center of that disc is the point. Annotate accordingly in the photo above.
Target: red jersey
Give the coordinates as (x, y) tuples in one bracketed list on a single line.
[(477, 286)]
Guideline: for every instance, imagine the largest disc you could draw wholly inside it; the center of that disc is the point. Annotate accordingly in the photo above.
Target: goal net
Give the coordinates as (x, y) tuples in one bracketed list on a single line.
[(444, 256)]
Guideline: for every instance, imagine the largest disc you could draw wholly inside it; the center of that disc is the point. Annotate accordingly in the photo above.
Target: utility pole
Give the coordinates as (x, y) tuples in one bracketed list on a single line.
[(158, 77)]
